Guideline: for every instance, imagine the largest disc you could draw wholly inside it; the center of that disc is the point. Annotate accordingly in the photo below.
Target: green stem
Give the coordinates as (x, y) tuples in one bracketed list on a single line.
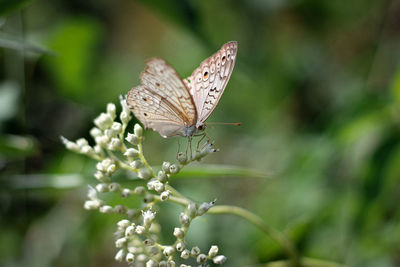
[(280, 238), (143, 159)]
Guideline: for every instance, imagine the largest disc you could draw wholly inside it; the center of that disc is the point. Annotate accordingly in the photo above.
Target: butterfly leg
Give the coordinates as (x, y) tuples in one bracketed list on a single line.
[(198, 143), (179, 148)]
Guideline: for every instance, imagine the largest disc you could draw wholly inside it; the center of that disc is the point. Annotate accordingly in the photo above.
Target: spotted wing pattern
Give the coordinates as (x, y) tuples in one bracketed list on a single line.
[(208, 82), (162, 102)]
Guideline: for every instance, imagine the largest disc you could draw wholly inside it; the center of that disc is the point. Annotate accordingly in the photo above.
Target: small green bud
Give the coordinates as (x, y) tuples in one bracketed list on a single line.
[(182, 158), (148, 198), (148, 242), (184, 219), (120, 209), (132, 213), (162, 176)]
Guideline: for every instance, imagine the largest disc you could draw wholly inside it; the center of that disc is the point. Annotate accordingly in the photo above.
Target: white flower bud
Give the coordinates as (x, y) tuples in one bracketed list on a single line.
[(130, 257), (138, 130), (213, 251), (106, 209), (148, 242), (114, 144), (120, 255), (101, 177), (168, 251), (131, 138), (171, 263), (139, 190), (185, 254), (103, 121), (120, 209), (125, 193), (195, 251), (125, 117), (141, 258), (180, 246), (192, 209), (120, 242), (95, 132), (130, 230), (82, 142), (123, 223), (136, 164), (165, 166), (91, 193), (98, 150), (111, 169), (140, 230), (204, 207), (86, 149), (114, 187), (173, 169), (131, 152), (220, 259), (153, 250), (162, 264), (111, 110), (162, 176), (184, 219), (201, 258), (91, 205), (165, 195), (182, 158), (116, 127), (144, 173), (72, 146), (102, 188), (151, 263), (105, 163), (179, 233)]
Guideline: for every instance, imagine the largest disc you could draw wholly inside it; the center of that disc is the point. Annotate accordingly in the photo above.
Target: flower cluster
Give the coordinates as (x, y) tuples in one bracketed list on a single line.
[(138, 234)]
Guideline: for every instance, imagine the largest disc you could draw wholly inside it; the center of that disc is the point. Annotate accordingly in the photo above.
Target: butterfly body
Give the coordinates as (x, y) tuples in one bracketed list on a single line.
[(172, 106)]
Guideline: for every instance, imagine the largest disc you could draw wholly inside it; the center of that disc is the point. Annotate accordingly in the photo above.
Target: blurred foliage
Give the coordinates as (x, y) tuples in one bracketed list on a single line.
[(316, 87)]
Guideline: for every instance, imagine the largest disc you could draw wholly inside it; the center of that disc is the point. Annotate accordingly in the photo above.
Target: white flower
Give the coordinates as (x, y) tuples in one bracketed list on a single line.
[(169, 251), (220, 259), (165, 195), (131, 138), (111, 110), (138, 130), (130, 257), (130, 230), (148, 217), (106, 209), (123, 223), (119, 243)]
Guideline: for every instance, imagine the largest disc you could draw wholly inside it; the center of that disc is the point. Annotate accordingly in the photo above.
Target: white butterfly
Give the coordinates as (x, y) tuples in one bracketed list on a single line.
[(172, 106)]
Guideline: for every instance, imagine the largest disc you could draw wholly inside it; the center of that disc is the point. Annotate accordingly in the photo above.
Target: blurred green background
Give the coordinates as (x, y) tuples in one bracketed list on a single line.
[(316, 87)]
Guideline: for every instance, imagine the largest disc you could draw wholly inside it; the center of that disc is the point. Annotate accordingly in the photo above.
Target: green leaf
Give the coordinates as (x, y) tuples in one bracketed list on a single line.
[(213, 171), (15, 146), (10, 6)]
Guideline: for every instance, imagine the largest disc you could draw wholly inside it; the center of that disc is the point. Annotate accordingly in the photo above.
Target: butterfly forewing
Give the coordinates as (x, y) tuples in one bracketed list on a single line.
[(162, 102), (208, 82), (161, 78)]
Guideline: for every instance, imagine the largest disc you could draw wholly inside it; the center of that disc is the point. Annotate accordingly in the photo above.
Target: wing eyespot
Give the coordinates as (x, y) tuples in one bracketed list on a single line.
[(158, 85), (145, 114)]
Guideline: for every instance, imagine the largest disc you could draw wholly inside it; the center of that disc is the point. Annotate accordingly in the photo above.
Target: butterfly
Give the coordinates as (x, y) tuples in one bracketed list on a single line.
[(172, 106)]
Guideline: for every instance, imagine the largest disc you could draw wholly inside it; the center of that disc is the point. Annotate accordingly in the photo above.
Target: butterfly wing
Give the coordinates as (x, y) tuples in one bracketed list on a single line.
[(208, 82), (162, 102)]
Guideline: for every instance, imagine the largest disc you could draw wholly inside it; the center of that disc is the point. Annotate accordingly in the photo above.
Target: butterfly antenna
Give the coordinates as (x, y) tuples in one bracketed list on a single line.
[(224, 123)]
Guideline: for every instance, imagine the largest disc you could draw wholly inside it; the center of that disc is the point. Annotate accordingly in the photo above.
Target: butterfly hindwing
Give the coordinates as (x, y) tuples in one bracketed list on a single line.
[(208, 82)]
